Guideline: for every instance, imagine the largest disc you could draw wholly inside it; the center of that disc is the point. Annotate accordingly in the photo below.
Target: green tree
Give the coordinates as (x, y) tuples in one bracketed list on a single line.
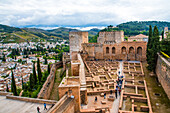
[(34, 74), (22, 84), (162, 34), (7, 89), (39, 70), (3, 59), (148, 50), (13, 85), (45, 60), (31, 81), (155, 47), (48, 68)]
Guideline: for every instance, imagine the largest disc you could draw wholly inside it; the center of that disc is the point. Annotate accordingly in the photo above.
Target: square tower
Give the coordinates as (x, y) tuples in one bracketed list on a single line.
[(76, 39)]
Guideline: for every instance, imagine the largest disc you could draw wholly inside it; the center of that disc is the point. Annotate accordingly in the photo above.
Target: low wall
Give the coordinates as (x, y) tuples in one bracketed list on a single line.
[(163, 73), (5, 93), (48, 85), (34, 100)]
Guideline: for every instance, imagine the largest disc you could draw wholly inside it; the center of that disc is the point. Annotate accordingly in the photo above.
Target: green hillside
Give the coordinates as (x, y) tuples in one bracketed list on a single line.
[(14, 34)]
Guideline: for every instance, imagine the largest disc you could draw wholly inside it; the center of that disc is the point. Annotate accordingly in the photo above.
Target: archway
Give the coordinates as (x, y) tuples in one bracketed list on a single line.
[(131, 50), (139, 51), (123, 50), (113, 50), (107, 50)]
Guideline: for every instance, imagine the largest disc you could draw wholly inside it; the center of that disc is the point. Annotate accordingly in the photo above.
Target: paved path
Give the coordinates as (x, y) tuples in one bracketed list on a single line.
[(16, 106), (115, 106)]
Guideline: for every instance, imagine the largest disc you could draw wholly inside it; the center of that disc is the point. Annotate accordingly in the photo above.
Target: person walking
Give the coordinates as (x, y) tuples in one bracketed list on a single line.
[(116, 92), (95, 99), (104, 95), (45, 107), (38, 109), (119, 91)]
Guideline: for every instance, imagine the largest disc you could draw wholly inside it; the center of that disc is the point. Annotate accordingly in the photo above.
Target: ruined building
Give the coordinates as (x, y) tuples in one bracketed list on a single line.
[(109, 46)]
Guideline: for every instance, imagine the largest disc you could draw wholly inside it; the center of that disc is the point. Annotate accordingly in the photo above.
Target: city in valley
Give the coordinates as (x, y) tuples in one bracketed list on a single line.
[(84, 56)]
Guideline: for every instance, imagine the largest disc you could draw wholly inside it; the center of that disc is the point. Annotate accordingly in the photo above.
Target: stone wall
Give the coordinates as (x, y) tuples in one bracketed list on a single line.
[(34, 100), (118, 51), (76, 39), (163, 73), (48, 85)]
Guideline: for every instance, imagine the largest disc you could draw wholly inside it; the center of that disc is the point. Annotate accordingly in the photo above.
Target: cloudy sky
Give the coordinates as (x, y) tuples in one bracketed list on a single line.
[(20, 13)]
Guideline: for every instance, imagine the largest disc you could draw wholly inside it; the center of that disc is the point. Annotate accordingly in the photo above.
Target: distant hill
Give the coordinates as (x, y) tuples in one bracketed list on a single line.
[(13, 34), (137, 27)]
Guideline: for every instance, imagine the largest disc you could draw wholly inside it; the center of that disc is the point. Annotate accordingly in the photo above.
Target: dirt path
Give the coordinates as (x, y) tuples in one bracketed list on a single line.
[(54, 94), (160, 104)]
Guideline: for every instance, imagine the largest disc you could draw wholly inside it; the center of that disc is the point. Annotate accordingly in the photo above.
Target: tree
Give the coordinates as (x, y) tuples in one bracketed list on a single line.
[(48, 68), (13, 85), (34, 74), (149, 44), (162, 34), (45, 60), (7, 89), (39, 70), (154, 49), (31, 81), (3, 59)]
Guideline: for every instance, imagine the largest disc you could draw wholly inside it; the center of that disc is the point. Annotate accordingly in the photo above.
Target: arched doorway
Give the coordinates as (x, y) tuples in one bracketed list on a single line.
[(123, 50), (113, 50), (107, 50), (139, 51), (131, 50)]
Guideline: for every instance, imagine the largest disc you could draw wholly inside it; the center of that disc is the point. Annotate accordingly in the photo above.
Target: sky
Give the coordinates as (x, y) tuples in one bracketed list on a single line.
[(84, 13)]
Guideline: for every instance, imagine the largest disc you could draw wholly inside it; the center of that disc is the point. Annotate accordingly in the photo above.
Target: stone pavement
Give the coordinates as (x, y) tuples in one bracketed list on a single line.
[(16, 106), (115, 106)]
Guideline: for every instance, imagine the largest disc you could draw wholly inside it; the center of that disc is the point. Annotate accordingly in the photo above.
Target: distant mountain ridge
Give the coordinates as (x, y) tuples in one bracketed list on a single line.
[(36, 34)]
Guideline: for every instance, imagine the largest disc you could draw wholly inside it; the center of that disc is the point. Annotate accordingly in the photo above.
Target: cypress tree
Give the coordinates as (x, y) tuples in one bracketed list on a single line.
[(39, 70), (48, 68), (31, 84), (149, 44), (45, 62), (34, 74), (154, 48), (7, 89), (22, 84), (3, 59), (13, 85), (162, 34)]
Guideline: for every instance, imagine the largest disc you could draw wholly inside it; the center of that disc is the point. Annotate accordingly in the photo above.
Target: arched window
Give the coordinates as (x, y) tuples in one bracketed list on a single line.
[(139, 50), (107, 50), (131, 50), (123, 50), (113, 50)]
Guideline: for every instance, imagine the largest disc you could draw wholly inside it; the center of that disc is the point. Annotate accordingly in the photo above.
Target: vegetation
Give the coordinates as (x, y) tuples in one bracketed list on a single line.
[(39, 71), (153, 48), (13, 85)]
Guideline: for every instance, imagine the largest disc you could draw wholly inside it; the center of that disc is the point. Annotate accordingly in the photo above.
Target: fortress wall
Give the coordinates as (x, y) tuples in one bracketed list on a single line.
[(163, 73), (48, 85)]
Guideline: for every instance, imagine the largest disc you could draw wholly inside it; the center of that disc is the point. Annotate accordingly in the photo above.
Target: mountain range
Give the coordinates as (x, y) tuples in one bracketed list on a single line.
[(13, 34)]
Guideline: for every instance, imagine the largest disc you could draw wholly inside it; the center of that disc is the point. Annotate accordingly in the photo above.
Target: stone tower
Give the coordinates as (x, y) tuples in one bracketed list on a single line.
[(110, 37), (165, 32), (76, 39)]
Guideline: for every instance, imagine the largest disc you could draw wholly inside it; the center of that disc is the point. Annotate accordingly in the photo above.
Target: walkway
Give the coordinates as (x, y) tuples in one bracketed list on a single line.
[(16, 106), (115, 106)]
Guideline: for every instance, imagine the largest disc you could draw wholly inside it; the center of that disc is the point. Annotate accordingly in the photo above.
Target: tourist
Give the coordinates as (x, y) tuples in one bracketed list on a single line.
[(95, 98), (111, 91), (119, 91), (45, 108), (104, 95), (116, 92), (38, 109)]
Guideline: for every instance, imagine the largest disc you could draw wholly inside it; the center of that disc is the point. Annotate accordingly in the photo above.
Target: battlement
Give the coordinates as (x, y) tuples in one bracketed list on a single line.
[(78, 33)]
